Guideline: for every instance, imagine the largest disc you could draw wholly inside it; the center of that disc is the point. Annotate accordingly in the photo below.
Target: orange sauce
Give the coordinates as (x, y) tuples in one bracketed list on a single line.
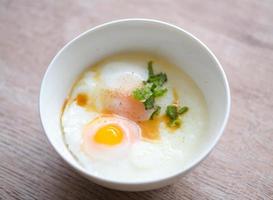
[(150, 128), (82, 99), (175, 97)]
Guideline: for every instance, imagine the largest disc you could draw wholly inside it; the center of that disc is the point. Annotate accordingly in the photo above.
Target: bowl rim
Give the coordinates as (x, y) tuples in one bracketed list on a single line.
[(203, 154)]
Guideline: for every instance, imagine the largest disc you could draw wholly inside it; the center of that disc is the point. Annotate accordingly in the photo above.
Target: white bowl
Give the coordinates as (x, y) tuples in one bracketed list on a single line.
[(161, 38)]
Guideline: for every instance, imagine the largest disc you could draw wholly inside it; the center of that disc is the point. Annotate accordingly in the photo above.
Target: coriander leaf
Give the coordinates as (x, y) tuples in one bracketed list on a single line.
[(183, 110), (159, 91), (150, 68), (174, 123), (142, 94), (149, 103), (152, 88), (158, 79), (156, 112), (171, 112)]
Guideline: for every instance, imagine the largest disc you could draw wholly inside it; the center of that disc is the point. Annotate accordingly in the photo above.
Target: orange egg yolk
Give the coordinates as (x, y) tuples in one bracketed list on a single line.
[(109, 135)]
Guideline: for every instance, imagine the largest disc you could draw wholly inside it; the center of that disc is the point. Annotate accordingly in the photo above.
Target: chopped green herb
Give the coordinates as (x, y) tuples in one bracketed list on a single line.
[(156, 112), (152, 88), (144, 93), (158, 79), (149, 103), (159, 91), (174, 123), (183, 110), (171, 112), (150, 68)]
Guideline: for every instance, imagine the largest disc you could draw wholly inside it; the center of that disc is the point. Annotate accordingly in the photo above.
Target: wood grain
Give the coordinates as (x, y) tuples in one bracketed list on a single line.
[(239, 32)]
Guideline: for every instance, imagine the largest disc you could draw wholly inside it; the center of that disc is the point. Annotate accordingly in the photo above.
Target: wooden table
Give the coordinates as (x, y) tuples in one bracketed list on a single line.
[(239, 32)]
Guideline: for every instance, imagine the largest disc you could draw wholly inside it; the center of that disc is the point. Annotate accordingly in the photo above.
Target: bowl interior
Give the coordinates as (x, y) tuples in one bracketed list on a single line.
[(134, 35)]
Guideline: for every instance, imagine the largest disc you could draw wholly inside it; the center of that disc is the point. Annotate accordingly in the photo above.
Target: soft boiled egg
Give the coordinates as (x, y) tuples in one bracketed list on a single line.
[(124, 105), (109, 136)]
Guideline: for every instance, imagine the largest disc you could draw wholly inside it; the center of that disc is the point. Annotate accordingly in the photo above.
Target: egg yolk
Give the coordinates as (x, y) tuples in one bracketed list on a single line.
[(109, 135)]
